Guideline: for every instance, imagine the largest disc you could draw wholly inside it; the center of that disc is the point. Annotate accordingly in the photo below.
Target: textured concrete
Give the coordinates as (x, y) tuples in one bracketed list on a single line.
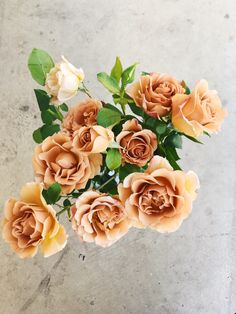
[(189, 272)]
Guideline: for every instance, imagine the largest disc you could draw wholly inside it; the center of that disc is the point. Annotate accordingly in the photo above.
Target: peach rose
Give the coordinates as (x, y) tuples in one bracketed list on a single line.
[(92, 139), (30, 223), (55, 160), (160, 198), (200, 111), (82, 114), (137, 145), (99, 218), (154, 93), (63, 80)]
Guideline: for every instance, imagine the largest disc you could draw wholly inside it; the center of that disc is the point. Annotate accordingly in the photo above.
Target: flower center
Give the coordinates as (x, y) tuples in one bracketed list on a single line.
[(86, 137), (107, 218), (210, 110), (89, 117), (66, 160), (154, 202)]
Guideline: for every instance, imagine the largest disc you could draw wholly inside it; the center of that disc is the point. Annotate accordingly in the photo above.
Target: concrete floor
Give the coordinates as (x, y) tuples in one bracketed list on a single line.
[(189, 272)]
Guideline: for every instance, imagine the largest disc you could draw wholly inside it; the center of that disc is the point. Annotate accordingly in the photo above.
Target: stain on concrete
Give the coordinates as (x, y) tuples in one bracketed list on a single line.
[(24, 108)]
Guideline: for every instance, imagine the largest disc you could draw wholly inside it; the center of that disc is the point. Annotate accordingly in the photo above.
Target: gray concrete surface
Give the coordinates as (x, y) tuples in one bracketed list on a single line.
[(191, 271)]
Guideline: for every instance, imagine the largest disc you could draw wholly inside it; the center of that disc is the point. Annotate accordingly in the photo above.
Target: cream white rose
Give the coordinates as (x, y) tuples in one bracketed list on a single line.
[(62, 82)]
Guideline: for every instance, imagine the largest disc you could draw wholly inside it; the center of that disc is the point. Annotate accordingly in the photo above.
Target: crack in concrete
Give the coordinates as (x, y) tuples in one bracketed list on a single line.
[(44, 283)]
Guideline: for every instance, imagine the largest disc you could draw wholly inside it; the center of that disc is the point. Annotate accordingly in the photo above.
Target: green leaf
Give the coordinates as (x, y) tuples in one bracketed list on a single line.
[(44, 131), (37, 136), (136, 110), (113, 159), (107, 117), (52, 195), (75, 194), (109, 106), (117, 70), (173, 152), (174, 140), (206, 133), (110, 188), (49, 130), (109, 82), (129, 117), (161, 127), (116, 98), (151, 123), (51, 114), (42, 98), (47, 117), (66, 203), (120, 100), (127, 76), (128, 169), (114, 145), (39, 64), (193, 139), (64, 107), (160, 150), (172, 160), (117, 128), (55, 113), (143, 73), (187, 90)]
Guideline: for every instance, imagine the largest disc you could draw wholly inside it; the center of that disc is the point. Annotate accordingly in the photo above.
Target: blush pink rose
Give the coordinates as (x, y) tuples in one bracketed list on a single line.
[(160, 198), (99, 218)]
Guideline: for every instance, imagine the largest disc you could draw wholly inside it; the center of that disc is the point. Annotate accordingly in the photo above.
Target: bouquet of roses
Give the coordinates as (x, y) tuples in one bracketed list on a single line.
[(108, 166)]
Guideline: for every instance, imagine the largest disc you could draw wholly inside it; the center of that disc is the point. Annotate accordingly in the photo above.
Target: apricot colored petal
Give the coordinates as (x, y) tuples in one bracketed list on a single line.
[(52, 245)]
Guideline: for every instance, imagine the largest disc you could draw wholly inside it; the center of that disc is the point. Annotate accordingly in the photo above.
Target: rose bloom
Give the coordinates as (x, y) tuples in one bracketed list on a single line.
[(137, 145), (154, 93), (99, 218), (30, 223), (63, 80), (198, 112), (92, 139), (55, 160), (160, 198), (82, 114)]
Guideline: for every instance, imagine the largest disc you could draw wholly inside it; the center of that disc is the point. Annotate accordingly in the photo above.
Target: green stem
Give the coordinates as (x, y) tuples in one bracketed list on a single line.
[(86, 91), (104, 184), (67, 196), (62, 210), (123, 109)]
